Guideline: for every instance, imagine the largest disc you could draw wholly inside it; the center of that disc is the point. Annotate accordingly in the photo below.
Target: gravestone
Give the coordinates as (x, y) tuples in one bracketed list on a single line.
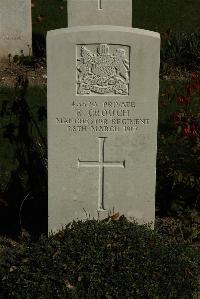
[(103, 83), (99, 12), (15, 28)]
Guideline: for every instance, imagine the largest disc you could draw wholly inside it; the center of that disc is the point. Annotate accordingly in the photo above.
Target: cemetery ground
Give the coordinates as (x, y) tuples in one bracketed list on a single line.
[(23, 176), (112, 258)]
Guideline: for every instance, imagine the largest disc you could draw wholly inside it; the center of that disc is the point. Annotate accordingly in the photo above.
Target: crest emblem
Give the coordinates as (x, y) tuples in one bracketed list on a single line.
[(101, 72)]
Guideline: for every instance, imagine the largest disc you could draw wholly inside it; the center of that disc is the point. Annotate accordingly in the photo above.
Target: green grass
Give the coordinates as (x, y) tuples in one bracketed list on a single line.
[(157, 15)]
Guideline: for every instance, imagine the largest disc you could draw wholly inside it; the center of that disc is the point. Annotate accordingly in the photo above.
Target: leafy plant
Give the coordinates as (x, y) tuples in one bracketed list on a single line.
[(178, 172), (180, 50), (101, 259), (26, 192)]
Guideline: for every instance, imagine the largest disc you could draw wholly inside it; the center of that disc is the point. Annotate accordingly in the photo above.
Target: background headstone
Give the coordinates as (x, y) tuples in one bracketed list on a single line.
[(15, 27), (99, 12), (103, 86)]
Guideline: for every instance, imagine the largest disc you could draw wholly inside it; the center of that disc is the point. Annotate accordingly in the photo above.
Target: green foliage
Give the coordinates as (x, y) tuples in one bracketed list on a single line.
[(180, 50), (29, 61), (107, 259), (159, 15), (48, 15), (178, 158), (9, 119), (184, 230), (26, 186)]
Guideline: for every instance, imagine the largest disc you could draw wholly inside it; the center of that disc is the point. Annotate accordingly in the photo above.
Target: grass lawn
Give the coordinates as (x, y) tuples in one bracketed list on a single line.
[(157, 15)]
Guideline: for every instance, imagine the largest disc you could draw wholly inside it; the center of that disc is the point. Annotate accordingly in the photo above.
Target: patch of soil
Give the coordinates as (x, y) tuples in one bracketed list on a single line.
[(10, 71), (38, 75), (175, 73)]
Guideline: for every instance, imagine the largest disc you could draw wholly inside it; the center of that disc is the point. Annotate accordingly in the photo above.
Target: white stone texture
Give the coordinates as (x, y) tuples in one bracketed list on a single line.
[(99, 12), (15, 27), (128, 187)]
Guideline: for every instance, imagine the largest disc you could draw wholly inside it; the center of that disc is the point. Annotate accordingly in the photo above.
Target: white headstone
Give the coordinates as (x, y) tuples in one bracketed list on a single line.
[(99, 12), (103, 84), (15, 28)]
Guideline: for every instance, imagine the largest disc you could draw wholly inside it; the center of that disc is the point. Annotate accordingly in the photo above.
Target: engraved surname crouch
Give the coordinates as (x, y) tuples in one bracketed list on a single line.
[(101, 164)]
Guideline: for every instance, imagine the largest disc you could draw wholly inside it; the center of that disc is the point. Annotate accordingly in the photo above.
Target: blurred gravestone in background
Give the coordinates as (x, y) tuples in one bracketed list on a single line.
[(15, 28)]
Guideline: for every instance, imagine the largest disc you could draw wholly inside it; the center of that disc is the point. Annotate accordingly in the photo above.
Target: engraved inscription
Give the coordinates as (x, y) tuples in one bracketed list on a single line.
[(10, 37), (118, 116), (99, 4), (103, 69), (101, 164)]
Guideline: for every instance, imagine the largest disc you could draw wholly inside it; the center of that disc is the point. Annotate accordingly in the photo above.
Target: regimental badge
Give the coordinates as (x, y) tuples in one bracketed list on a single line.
[(100, 72)]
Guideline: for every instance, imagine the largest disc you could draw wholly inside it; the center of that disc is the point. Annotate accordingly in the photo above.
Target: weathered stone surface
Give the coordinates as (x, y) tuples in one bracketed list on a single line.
[(15, 27), (103, 86), (100, 12)]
